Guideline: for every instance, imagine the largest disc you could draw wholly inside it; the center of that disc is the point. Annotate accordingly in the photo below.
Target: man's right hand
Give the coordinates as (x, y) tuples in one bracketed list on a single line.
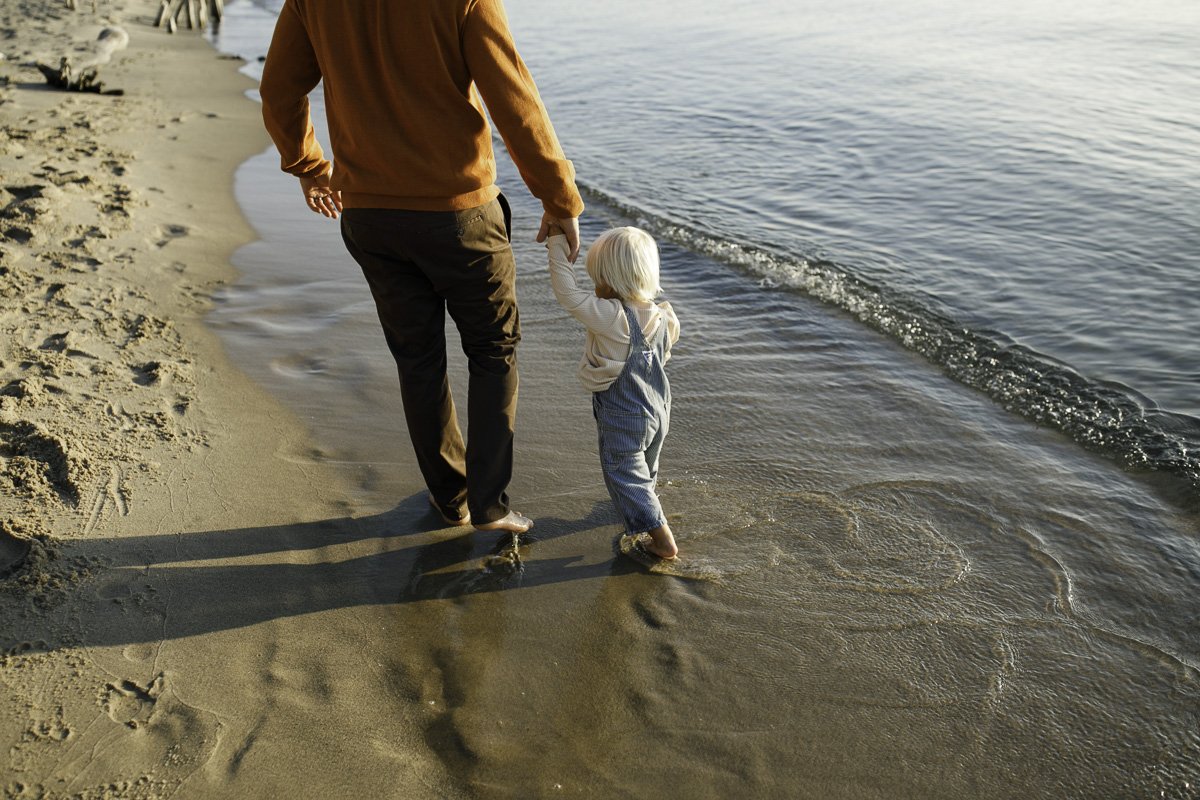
[(569, 227), (321, 198)]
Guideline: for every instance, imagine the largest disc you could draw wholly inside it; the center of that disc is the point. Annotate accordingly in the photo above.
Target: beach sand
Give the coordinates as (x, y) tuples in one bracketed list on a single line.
[(161, 519), (890, 587)]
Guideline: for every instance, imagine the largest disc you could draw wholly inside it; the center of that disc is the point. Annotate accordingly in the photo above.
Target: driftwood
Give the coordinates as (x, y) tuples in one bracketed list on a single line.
[(193, 13), (83, 77), (85, 80)]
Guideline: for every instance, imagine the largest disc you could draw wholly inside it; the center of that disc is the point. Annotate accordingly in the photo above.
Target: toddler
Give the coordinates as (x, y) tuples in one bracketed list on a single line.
[(629, 340)]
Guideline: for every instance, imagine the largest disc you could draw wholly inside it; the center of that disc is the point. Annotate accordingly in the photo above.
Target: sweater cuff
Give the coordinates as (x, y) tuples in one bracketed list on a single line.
[(565, 209), (315, 171)]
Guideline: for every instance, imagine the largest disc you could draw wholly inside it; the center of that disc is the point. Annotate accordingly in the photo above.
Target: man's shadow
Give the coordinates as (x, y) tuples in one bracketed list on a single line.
[(150, 588)]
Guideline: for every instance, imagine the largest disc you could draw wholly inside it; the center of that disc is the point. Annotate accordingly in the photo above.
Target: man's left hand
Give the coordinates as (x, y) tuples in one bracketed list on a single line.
[(569, 226)]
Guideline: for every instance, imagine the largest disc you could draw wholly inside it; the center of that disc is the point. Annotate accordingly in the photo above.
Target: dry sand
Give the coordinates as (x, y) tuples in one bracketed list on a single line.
[(161, 520)]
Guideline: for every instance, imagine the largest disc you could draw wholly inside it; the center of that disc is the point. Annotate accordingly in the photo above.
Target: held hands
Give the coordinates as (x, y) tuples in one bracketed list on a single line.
[(567, 226), (321, 198)]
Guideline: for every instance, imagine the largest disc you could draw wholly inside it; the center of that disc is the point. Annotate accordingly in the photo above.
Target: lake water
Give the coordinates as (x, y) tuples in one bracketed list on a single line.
[(935, 459)]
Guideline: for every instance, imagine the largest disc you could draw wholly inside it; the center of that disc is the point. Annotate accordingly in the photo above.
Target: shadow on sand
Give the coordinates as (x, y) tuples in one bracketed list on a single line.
[(151, 588)]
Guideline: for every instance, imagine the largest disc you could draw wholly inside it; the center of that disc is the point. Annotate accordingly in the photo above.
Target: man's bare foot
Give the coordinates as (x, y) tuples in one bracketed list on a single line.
[(512, 521), (662, 543), (463, 518)]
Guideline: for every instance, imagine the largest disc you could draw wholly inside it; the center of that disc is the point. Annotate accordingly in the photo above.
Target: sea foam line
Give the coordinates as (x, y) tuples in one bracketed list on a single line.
[(1105, 417)]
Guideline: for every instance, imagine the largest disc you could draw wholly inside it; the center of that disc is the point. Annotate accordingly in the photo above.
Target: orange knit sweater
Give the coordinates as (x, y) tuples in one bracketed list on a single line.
[(402, 83)]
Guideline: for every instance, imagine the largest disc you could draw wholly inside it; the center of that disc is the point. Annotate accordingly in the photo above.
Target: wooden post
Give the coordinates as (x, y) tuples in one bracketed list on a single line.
[(193, 13), (170, 14)]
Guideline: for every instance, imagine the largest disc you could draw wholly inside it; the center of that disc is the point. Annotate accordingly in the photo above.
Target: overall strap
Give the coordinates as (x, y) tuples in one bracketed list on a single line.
[(660, 338), (657, 340), (637, 339)]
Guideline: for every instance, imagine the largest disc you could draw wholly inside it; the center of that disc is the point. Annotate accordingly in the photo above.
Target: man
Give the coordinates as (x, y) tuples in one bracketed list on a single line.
[(414, 182)]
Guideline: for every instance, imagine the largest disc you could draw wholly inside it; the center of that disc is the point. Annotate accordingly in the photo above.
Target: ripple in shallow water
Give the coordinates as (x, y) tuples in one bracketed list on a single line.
[(893, 538)]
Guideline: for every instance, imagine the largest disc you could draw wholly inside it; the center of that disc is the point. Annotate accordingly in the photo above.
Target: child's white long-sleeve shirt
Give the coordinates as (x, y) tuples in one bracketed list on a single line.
[(607, 346)]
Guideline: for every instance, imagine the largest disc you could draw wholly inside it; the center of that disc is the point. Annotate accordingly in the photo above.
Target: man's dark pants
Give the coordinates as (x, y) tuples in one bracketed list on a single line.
[(419, 265)]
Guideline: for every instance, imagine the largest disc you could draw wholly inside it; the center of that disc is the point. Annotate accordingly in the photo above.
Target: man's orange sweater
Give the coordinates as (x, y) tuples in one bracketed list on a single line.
[(402, 82)]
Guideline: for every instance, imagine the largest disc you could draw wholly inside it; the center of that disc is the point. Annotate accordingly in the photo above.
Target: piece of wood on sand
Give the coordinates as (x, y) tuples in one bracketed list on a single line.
[(68, 79)]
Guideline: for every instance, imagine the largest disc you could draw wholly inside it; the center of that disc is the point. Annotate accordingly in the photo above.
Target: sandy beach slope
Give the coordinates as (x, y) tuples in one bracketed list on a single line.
[(161, 518)]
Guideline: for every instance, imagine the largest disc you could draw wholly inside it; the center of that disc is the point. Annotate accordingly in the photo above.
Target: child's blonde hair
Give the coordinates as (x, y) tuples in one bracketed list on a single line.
[(623, 263)]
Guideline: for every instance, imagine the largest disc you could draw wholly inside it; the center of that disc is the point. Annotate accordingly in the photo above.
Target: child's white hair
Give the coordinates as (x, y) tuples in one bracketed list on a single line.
[(625, 261)]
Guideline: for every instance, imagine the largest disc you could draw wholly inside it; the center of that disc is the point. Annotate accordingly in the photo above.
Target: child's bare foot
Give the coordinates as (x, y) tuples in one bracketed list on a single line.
[(662, 543), (512, 521)]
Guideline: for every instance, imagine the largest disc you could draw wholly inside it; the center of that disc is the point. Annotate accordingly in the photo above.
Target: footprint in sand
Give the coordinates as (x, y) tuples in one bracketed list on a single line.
[(70, 343), (54, 729), (34, 203), (24, 648), (18, 234), (147, 374), (169, 233), (13, 551), (117, 200), (131, 704), (37, 463), (138, 653), (23, 193), (28, 389), (140, 327), (62, 177), (85, 236)]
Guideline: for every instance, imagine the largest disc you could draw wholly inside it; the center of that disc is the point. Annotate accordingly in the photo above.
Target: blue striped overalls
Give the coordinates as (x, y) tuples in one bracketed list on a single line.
[(633, 416)]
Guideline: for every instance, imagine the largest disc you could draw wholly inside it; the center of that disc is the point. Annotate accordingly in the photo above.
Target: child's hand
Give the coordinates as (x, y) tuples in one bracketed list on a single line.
[(566, 226)]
